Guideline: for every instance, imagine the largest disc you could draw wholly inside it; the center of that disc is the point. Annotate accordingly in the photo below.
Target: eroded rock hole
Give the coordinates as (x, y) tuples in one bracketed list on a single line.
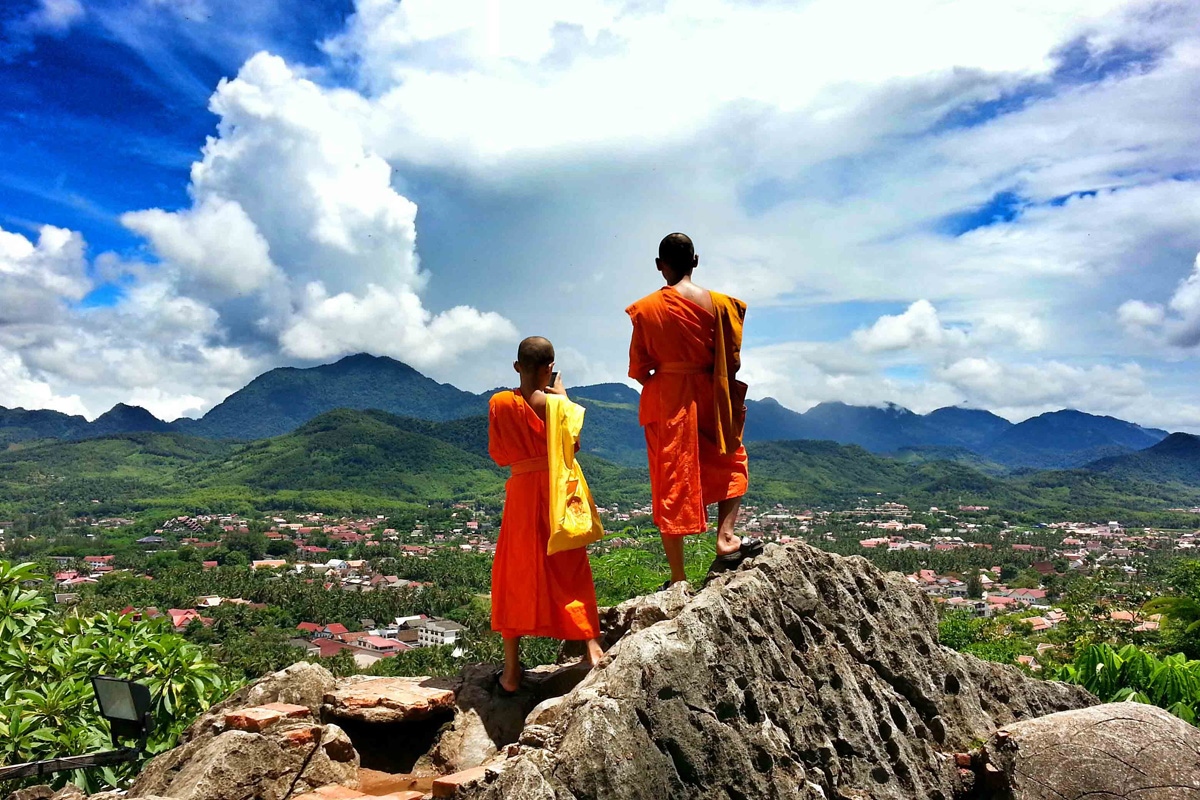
[(880, 775), (751, 711), (763, 761), (951, 684), (899, 718), (395, 747)]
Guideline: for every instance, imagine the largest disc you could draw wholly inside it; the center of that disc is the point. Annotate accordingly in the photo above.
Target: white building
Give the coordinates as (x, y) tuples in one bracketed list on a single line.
[(438, 632)]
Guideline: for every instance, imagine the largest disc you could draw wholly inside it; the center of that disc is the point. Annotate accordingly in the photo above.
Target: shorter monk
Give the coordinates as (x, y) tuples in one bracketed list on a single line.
[(534, 594)]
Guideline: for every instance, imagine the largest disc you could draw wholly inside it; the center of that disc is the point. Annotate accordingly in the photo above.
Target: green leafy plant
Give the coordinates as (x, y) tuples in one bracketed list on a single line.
[(1132, 674), (47, 707)]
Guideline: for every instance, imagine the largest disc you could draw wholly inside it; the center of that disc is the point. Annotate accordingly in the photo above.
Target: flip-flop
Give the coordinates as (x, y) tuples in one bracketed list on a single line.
[(730, 561)]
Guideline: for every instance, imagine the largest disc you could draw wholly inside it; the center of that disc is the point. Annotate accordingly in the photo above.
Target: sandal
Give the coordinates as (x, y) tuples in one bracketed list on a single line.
[(731, 561)]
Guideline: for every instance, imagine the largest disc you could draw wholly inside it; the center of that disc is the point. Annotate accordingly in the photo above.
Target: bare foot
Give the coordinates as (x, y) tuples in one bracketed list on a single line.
[(594, 653), (510, 680)]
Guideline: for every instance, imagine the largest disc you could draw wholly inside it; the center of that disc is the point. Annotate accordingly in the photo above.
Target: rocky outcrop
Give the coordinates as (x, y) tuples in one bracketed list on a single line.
[(805, 674), (486, 721), (270, 752), (388, 700), (1121, 751), (302, 684)]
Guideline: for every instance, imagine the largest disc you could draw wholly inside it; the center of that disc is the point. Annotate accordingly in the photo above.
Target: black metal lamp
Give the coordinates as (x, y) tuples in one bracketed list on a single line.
[(126, 706)]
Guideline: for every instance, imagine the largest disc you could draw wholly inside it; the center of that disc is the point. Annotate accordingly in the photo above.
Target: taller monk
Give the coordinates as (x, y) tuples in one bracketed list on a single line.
[(686, 352)]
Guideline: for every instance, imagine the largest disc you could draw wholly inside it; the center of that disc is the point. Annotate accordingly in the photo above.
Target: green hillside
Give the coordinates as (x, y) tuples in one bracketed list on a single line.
[(366, 452), (118, 471), (283, 399), (346, 460)]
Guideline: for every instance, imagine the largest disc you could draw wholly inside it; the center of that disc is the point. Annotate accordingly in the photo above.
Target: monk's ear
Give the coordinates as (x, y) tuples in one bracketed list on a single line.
[(695, 261), (517, 367), (658, 264)]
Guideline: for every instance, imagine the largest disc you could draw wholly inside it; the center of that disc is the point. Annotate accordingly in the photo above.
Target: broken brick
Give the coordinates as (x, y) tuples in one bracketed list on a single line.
[(962, 759), (299, 737), (335, 791), (252, 719), (448, 785), (289, 710)]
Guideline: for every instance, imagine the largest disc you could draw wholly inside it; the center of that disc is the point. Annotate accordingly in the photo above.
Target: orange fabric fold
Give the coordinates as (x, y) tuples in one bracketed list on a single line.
[(533, 594), (729, 393), (689, 397), (527, 465)]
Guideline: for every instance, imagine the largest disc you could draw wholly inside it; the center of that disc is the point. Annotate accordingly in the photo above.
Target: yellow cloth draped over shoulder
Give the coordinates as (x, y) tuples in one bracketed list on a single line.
[(693, 408), (533, 593), (574, 520)]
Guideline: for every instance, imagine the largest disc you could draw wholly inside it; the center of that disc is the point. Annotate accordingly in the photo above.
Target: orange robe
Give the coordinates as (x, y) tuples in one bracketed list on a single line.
[(533, 594), (694, 462)]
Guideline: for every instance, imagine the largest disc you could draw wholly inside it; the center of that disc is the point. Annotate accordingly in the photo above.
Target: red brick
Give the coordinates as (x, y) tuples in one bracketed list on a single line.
[(335, 791), (962, 759), (252, 719), (448, 785), (405, 795), (288, 710), (298, 737)]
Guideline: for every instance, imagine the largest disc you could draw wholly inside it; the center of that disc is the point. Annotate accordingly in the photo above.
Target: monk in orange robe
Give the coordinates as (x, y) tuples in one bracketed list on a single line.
[(534, 594), (686, 351)]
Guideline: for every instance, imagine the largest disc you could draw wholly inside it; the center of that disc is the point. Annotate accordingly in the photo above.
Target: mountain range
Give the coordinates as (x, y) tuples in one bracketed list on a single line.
[(282, 400)]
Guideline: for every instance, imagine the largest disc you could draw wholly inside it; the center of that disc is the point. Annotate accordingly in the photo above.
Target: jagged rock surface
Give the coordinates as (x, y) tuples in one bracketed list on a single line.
[(302, 684), (1120, 751), (485, 721), (291, 756), (805, 674)]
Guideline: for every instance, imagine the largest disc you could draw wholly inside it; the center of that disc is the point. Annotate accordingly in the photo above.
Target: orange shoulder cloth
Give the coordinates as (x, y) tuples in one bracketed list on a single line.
[(729, 393)]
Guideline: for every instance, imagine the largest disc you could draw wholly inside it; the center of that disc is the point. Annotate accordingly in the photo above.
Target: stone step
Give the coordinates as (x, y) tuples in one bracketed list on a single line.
[(446, 786), (386, 700)]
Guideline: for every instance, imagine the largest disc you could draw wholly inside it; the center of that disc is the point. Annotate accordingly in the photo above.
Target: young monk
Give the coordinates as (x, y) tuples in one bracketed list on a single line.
[(686, 351), (534, 594)]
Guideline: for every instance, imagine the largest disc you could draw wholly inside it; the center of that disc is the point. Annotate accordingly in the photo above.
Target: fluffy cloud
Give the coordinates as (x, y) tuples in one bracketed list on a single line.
[(36, 279), (917, 326), (387, 323), (1178, 323), (215, 246), (920, 327), (1006, 174)]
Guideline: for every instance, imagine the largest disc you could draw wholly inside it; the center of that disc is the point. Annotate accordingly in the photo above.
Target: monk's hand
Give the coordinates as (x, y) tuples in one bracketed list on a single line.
[(557, 386)]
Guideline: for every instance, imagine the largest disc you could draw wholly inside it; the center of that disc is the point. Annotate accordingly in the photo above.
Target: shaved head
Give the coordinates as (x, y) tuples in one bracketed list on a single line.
[(678, 253), (534, 353)]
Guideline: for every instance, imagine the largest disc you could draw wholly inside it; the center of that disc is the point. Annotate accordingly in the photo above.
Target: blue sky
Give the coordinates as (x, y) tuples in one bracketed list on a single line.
[(924, 203)]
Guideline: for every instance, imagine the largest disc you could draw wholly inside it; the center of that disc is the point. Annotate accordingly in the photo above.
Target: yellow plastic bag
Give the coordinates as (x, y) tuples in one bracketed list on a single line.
[(574, 521)]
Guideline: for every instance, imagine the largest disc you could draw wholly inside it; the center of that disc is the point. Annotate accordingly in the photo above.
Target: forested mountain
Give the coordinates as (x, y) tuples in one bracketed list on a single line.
[(283, 400), (373, 461), (1067, 439), (1175, 459)]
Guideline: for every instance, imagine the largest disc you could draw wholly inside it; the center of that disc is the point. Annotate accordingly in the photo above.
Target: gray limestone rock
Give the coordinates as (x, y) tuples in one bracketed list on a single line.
[(284, 761), (485, 721), (302, 684), (1120, 751), (804, 674)]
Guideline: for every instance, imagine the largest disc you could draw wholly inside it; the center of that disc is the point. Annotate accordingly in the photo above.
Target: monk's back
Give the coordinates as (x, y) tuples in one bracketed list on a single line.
[(515, 430), (676, 328)]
